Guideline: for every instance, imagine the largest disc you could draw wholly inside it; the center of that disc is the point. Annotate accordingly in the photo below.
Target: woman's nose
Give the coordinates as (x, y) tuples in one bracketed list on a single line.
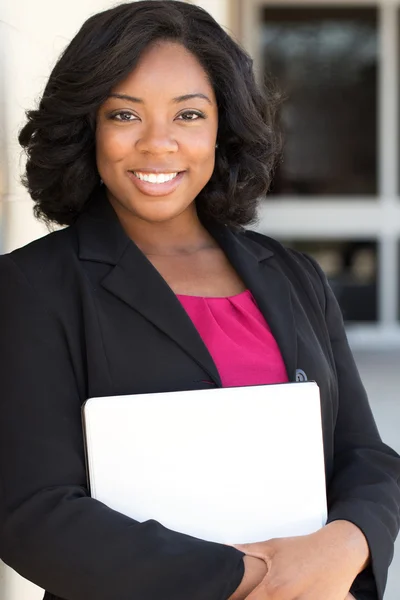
[(157, 139)]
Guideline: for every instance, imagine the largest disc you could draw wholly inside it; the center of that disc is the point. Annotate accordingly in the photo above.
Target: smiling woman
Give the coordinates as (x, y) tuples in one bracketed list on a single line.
[(157, 130), (205, 91), (153, 144)]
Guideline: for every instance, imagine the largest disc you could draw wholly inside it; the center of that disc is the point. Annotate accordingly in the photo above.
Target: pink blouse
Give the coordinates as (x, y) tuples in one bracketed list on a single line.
[(238, 338)]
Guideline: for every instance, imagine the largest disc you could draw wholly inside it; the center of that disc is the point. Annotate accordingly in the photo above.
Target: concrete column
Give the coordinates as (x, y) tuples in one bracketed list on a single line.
[(32, 35)]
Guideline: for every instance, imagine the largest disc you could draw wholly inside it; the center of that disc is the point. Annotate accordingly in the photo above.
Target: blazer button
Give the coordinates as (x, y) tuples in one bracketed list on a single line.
[(300, 375)]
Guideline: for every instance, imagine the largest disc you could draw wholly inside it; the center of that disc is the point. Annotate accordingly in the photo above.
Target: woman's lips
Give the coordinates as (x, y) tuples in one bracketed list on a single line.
[(156, 189)]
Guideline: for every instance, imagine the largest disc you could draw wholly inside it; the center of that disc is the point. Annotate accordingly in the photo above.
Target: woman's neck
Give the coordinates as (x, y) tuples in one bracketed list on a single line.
[(182, 235)]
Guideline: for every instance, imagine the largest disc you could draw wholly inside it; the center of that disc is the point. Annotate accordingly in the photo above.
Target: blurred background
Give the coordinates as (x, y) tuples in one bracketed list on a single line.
[(336, 193)]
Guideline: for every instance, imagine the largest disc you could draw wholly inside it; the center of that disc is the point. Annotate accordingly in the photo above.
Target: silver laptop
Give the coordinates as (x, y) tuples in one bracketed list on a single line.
[(229, 465)]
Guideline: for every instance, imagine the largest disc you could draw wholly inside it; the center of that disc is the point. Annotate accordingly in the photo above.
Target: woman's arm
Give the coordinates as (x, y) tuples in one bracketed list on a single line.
[(365, 487), (51, 532)]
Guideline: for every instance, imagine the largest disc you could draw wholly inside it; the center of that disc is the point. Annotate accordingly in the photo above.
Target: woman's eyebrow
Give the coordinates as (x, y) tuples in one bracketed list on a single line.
[(190, 97), (184, 98)]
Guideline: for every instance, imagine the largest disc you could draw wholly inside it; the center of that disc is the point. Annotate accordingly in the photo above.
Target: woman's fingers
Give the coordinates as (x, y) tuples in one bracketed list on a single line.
[(259, 593), (303, 568), (258, 550)]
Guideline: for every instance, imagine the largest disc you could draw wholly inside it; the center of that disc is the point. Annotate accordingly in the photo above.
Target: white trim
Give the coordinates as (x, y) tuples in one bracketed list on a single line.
[(321, 217), (388, 280), (377, 337), (388, 123), (312, 3)]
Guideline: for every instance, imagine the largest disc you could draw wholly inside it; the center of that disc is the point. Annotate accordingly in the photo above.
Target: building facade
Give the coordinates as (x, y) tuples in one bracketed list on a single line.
[(337, 191)]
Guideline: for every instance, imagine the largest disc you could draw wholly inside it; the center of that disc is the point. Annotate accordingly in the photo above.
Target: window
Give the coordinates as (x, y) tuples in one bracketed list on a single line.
[(351, 268), (324, 61)]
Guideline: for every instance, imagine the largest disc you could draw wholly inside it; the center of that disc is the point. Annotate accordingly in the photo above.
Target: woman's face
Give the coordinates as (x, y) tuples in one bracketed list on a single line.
[(156, 135)]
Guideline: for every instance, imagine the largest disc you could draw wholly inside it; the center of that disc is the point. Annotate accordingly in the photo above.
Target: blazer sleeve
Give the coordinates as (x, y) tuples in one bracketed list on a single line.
[(51, 531), (365, 487)]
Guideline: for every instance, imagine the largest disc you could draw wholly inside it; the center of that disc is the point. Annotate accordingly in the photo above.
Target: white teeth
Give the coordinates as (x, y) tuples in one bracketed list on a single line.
[(153, 178)]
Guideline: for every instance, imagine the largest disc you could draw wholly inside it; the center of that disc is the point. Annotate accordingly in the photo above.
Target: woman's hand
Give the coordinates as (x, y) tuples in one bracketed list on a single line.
[(255, 570), (323, 564)]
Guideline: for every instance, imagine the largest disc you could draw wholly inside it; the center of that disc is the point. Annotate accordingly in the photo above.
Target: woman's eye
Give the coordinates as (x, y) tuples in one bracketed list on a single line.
[(123, 116), (191, 115)]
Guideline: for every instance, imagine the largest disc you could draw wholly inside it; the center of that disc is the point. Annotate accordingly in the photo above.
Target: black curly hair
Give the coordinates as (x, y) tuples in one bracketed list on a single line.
[(59, 137)]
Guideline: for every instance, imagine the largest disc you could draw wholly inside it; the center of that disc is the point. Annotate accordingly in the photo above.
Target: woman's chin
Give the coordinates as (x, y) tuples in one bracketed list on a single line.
[(154, 209), (160, 212)]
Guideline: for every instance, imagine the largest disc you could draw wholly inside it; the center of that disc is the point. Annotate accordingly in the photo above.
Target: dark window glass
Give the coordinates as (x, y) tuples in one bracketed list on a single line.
[(324, 61), (351, 268)]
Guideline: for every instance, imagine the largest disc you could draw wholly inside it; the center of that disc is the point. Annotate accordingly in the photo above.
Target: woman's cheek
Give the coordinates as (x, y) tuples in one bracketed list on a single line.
[(114, 144)]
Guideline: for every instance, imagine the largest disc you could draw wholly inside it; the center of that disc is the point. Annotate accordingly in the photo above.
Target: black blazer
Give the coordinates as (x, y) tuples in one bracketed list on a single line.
[(84, 313)]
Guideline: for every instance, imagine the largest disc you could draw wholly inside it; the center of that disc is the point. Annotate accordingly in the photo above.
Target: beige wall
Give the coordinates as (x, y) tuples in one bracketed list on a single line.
[(32, 35)]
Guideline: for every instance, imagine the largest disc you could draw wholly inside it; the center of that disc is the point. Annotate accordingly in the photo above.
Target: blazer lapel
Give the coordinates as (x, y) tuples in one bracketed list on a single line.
[(274, 299), (135, 281), (260, 271)]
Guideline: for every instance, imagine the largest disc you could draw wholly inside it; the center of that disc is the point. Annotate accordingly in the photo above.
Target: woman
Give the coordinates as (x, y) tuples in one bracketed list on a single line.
[(152, 143)]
